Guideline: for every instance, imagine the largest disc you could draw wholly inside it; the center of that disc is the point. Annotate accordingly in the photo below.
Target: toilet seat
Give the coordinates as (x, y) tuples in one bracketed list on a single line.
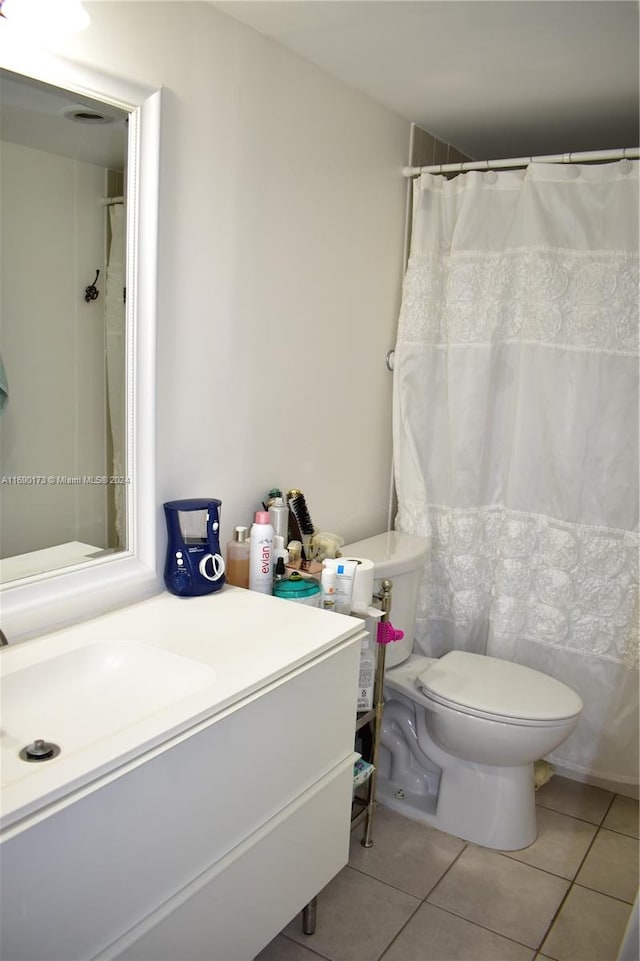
[(494, 688)]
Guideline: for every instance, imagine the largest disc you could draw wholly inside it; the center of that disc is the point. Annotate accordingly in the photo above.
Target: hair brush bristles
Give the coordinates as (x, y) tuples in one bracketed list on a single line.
[(300, 525)]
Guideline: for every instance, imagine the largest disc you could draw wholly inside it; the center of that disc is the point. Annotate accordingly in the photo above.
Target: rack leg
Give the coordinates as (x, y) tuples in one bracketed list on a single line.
[(367, 836), (309, 916), (378, 697), (367, 840)]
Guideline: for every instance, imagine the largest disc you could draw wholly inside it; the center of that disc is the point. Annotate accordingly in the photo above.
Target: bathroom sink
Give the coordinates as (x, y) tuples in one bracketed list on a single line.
[(92, 692)]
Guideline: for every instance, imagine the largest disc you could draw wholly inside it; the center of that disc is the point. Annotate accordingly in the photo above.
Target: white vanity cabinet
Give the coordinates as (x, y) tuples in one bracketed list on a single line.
[(206, 845)]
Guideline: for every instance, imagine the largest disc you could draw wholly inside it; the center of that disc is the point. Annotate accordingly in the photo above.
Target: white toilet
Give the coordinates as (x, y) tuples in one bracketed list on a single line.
[(461, 732)]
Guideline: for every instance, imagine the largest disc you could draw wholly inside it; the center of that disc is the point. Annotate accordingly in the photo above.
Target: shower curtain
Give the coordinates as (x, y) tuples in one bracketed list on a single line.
[(115, 352), (515, 431)]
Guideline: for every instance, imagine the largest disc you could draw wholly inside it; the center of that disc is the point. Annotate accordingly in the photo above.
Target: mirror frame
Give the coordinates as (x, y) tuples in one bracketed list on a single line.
[(48, 601)]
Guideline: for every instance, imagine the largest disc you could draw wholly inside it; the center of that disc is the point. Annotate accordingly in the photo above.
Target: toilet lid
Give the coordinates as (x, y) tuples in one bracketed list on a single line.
[(494, 686)]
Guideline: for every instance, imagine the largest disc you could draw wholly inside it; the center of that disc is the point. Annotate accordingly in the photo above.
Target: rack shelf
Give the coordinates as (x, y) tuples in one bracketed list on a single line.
[(363, 805)]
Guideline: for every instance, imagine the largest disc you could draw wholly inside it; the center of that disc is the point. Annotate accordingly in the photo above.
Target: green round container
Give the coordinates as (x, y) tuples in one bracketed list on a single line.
[(299, 589)]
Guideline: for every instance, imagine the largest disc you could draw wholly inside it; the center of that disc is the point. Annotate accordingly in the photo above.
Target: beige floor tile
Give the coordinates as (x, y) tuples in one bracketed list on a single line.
[(561, 844), (357, 918), (623, 816), (589, 927), (510, 898), (436, 935), (411, 856), (574, 798), (282, 949), (611, 866)]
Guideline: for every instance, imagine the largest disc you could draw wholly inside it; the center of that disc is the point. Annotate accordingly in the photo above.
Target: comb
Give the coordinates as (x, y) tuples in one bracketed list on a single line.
[(300, 524)]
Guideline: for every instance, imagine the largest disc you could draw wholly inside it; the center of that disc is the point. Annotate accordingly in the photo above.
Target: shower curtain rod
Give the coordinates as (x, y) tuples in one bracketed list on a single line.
[(623, 153)]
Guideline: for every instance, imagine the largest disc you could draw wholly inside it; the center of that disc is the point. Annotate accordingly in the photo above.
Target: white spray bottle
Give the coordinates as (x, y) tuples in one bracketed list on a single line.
[(279, 517), (261, 554)]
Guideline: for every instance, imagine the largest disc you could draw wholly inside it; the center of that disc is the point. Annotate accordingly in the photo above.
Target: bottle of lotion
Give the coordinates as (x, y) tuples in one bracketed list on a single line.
[(237, 566), (328, 584), (260, 554)]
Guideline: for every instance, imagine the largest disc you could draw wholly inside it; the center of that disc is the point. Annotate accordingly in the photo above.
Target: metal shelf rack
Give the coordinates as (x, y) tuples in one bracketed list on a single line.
[(363, 807)]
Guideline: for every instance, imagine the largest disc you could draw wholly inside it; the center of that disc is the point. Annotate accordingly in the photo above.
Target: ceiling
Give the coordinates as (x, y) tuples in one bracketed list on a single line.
[(495, 78), (44, 117)]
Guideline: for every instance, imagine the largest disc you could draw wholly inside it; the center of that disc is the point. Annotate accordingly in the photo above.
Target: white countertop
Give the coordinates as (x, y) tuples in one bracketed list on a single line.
[(244, 640)]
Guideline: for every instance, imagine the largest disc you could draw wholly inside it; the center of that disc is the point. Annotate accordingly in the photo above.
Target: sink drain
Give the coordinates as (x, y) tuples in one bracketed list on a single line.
[(40, 750)]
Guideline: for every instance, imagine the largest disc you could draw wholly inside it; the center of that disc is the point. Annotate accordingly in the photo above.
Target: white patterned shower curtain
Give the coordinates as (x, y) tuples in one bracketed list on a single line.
[(516, 433)]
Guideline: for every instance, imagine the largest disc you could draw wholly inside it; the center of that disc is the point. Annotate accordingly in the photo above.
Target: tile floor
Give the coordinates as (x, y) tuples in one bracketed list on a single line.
[(420, 895)]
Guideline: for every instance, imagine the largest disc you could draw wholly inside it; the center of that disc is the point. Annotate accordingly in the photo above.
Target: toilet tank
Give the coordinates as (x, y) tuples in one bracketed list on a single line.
[(400, 558)]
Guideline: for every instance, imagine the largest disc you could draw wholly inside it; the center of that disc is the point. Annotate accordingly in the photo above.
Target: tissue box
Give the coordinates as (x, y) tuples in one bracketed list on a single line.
[(362, 771)]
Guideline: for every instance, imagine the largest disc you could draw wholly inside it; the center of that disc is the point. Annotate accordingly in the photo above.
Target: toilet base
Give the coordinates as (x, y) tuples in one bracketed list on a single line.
[(492, 807)]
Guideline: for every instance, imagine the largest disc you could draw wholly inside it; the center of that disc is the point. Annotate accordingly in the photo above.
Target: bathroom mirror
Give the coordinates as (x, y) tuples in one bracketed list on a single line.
[(62, 327), (77, 332)]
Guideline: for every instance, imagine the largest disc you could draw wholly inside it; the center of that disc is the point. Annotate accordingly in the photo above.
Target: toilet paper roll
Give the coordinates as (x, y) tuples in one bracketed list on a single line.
[(363, 583)]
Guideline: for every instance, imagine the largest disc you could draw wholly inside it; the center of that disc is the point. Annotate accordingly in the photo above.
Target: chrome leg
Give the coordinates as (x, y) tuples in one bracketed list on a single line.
[(309, 916)]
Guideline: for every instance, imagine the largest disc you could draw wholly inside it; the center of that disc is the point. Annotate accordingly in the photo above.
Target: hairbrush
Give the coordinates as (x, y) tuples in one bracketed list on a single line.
[(300, 524)]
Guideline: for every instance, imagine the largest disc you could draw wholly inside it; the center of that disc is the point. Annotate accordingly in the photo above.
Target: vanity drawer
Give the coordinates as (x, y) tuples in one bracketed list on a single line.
[(242, 903), (135, 839)]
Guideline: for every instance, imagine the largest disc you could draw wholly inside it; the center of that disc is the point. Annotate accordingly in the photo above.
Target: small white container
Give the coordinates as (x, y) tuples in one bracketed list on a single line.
[(328, 584), (345, 571)]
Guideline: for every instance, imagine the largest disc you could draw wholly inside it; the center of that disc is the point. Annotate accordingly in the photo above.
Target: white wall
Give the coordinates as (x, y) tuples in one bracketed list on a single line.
[(52, 241), (280, 260)]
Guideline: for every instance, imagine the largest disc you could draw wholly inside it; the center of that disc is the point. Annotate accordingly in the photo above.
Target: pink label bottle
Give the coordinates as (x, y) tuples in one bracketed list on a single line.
[(261, 554)]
